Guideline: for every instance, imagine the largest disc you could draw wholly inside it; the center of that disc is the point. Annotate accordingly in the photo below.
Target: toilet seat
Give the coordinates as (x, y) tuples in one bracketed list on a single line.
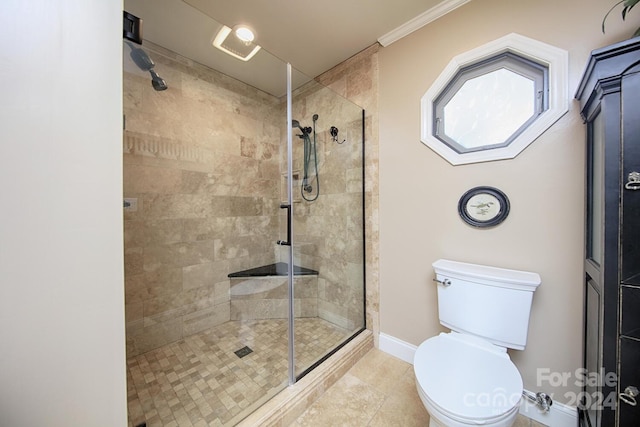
[(467, 378)]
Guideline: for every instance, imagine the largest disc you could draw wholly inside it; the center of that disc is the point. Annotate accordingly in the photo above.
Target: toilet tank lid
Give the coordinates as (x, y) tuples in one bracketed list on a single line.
[(463, 270)]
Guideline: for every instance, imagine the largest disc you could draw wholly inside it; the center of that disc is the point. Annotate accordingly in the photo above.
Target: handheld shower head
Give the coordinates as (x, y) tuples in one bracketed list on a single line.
[(296, 124)]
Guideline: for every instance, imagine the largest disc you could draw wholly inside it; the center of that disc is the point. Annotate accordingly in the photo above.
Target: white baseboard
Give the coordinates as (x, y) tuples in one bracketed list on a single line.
[(395, 347), (559, 415)]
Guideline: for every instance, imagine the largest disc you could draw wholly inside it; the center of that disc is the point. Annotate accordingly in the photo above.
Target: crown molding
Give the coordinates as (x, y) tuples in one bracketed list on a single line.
[(420, 21)]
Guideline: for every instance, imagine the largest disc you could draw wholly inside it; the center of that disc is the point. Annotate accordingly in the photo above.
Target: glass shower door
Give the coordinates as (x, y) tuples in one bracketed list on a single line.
[(327, 162)]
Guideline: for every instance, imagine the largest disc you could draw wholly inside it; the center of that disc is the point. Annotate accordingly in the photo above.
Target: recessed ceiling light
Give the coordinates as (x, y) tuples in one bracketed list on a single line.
[(238, 44), (244, 33)]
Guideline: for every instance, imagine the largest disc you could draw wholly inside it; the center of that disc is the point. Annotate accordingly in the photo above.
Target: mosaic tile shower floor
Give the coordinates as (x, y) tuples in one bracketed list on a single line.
[(200, 381)]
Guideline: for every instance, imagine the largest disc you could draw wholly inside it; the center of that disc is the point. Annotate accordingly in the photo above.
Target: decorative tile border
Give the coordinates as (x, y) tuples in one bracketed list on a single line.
[(153, 146)]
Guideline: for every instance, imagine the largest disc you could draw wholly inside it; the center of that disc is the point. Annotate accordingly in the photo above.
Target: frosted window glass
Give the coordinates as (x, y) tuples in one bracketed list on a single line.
[(490, 108)]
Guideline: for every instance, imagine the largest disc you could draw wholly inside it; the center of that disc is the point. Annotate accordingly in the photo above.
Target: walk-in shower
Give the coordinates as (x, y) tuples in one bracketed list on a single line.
[(219, 316)]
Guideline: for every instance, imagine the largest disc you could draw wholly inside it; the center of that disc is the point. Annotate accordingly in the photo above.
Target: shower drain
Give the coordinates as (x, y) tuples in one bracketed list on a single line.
[(243, 351)]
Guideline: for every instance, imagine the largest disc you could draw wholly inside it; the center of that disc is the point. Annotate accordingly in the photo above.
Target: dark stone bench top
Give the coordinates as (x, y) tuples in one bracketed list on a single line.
[(277, 269)]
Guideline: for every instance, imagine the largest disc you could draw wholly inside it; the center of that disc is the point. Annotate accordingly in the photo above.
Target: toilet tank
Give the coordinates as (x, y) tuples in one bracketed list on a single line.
[(488, 302)]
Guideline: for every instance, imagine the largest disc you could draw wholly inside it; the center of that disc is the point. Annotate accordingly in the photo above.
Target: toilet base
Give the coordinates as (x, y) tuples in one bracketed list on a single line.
[(438, 419), (509, 421), (434, 423), (503, 423)]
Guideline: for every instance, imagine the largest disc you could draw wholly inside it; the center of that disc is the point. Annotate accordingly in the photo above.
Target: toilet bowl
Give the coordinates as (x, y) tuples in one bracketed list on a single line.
[(465, 377), (465, 381)]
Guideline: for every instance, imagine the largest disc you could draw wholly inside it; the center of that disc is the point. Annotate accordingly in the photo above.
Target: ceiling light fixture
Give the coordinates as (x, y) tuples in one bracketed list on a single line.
[(244, 33), (238, 43)]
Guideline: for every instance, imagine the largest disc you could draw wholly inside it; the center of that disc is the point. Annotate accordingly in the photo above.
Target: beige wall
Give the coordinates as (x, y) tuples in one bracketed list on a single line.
[(62, 361), (419, 190)]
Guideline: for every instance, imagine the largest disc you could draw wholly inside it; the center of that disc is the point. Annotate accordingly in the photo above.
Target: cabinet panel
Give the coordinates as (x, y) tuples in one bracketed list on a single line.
[(629, 376), (630, 233), (592, 349), (595, 189), (630, 323)]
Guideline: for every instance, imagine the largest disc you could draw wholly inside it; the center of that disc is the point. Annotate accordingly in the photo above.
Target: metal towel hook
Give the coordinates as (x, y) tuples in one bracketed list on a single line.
[(334, 135)]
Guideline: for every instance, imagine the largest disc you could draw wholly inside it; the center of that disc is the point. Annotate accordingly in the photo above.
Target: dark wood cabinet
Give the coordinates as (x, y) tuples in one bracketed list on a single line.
[(609, 96)]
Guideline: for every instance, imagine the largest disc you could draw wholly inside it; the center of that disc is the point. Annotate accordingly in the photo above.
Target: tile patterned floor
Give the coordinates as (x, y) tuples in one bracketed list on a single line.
[(200, 381), (379, 391)]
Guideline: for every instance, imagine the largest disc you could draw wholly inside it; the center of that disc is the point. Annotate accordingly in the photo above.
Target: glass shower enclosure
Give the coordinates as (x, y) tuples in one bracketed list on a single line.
[(327, 195), (244, 224)]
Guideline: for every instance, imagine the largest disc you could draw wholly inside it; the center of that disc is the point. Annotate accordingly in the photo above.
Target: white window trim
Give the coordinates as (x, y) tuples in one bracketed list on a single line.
[(556, 59)]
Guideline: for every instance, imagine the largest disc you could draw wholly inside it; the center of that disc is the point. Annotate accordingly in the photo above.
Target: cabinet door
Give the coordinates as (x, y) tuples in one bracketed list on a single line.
[(594, 266), (629, 414), (630, 219), (602, 254)]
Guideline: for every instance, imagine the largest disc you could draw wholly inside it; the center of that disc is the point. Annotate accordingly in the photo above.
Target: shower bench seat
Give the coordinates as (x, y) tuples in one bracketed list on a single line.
[(261, 292)]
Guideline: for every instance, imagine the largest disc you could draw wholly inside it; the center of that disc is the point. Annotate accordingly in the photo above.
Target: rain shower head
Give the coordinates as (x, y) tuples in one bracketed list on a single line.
[(145, 63)]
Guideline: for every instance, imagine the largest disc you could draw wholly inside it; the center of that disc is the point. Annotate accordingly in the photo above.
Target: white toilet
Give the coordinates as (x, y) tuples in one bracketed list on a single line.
[(465, 377)]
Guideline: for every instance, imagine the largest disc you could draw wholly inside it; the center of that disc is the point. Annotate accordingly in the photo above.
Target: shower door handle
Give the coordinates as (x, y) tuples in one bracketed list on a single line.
[(288, 241)]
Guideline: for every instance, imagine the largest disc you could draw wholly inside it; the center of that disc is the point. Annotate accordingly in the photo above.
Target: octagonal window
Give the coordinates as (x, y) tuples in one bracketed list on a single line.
[(487, 105), (490, 103)]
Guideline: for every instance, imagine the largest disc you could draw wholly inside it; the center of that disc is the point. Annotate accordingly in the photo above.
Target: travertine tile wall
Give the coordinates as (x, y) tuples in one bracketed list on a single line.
[(202, 160), (268, 297)]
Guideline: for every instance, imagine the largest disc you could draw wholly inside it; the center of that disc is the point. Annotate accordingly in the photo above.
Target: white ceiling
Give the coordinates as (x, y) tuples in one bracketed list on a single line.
[(313, 36)]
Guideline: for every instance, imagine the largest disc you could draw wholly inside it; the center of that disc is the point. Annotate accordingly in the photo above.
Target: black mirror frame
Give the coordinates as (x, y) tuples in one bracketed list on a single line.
[(500, 216)]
